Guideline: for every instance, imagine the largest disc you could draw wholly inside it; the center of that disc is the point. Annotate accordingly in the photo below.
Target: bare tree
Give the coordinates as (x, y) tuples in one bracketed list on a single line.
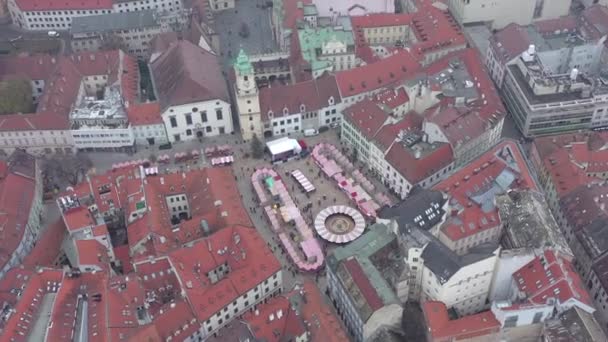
[(67, 168)]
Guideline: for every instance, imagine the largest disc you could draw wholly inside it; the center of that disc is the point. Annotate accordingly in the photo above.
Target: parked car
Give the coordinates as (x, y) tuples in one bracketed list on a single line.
[(166, 146), (53, 34), (334, 124), (310, 132)]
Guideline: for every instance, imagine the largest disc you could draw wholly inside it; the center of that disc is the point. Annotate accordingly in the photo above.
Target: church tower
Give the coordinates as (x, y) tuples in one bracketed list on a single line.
[(247, 98)]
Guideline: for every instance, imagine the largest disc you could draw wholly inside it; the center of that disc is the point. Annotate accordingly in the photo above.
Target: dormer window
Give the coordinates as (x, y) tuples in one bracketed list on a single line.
[(270, 114), (331, 101), (302, 108), (285, 111)]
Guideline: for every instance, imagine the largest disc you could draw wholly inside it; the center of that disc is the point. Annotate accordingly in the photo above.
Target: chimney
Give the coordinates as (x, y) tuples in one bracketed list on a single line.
[(573, 74)]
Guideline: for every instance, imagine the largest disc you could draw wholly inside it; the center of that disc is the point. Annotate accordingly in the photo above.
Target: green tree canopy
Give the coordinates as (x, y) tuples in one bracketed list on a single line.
[(16, 96)]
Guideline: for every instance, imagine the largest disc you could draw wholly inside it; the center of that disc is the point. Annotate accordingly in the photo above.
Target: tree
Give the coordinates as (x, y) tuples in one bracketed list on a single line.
[(257, 148), (16, 96), (67, 168)]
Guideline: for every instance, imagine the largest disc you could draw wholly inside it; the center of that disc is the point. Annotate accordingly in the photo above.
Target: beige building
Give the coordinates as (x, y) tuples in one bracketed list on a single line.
[(131, 31), (220, 5), (247, 98), (503, 12)]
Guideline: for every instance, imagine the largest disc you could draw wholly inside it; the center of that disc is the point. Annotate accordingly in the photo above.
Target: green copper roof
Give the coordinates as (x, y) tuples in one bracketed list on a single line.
[(242, 63), (377, 237), (312, 39)]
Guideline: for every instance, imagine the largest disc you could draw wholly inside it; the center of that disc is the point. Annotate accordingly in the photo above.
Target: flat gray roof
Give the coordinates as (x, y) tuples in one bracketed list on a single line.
[(113, 22)]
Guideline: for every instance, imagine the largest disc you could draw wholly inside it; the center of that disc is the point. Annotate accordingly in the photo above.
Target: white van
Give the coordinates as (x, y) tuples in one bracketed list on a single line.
[(311, 132), (53, 34)]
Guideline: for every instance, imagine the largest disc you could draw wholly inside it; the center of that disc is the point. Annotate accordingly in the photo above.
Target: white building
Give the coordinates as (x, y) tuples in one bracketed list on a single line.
[(502, 13), (220, 5), (353, 7), (80, 106), (553, 65), (245, 293), (461, 282), (58, 16), (147, 124), (305, 105), (192, 91)]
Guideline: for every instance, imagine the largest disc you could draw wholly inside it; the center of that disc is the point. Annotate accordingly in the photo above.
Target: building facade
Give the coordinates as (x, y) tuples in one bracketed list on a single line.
[(22, 207), (58, 17), (551, 73), (362, 290), (247, 98), (195, 104), (132, 31), (502, 13)]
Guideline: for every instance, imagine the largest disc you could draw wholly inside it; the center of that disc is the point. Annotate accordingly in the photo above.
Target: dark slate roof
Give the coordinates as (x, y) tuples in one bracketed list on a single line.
[(444, 263), (428, 204), (114, 22), (186, 73)]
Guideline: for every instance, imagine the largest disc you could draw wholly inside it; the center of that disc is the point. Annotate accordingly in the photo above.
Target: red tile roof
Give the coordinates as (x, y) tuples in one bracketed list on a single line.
[(381, 20), (570, 159), (474, 180), (463, 124), (388, 71), (176, 321), (48, 247), (214, 196), (91, 252), (434, 28), (62, 77), (326, 327), (64, 310), (36, 67), (17, 194), (551, 275), (27, 302), (510, 42), (179, 78), (51, 5), (387, 135), (367, 116), (122, 254), (392, 98), (414, 169), (593, 21), (293, 11), (313, 94), (285, 324), (35, 121), (78, 218), (248, 257), (366, 288), (144, 114), (441, 328)]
